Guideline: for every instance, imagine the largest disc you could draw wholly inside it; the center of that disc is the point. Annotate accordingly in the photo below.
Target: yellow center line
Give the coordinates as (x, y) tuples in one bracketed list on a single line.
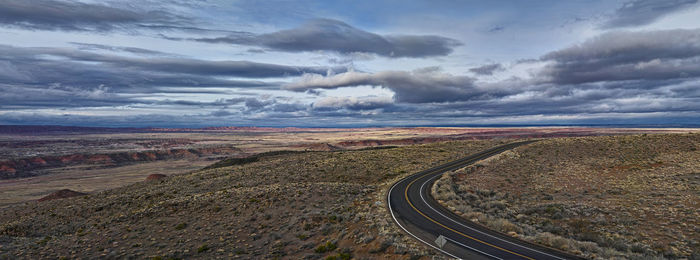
[(446, 227)]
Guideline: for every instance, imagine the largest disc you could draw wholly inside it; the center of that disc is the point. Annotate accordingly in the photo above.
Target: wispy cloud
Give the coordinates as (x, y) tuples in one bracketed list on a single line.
[(487, 69), (78, 16), (643, 12)]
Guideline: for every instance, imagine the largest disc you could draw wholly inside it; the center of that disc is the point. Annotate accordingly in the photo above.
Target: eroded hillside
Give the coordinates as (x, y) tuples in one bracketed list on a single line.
[(601, 197)]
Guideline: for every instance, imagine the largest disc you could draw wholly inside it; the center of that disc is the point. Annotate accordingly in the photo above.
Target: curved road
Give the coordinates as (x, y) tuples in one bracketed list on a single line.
[(417, 213)]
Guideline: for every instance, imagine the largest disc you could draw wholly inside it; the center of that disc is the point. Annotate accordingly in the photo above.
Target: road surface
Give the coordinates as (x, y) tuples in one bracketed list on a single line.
[(416, 212)]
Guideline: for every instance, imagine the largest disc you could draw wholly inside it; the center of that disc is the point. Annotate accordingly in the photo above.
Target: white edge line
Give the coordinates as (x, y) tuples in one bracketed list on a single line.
[(388, 200), (471, 228), (454, 241)]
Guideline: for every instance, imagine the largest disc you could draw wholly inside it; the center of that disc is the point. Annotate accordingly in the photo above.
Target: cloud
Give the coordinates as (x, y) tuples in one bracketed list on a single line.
[(488, 69), (622, 55), (247, 69), (643, 12), (222, 102), (337, 36), (352, 103), (43, 66), (421, 86), (616, 75), (257, 104), (496, 29), (132, 50), (58, 96), (78, 16), (62, 96), (33, 78), (222, 113)]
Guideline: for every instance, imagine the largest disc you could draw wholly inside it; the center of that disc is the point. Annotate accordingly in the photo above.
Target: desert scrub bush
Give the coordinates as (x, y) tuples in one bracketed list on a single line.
[(504, 226), (495, 204), (181, 226), (202, 248), (340, 256), (328, 247), (638, 248), (445, 192), (588, 249), (44, 240), (333, 219), (552, 240), (309, 226)]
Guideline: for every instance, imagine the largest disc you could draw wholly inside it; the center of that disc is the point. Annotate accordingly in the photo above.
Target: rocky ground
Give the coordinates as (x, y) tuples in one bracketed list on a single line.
[(303, 205), (629, 197)]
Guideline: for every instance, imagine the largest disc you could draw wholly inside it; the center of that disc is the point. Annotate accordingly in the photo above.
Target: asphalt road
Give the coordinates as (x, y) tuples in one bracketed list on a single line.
[(417, 213)]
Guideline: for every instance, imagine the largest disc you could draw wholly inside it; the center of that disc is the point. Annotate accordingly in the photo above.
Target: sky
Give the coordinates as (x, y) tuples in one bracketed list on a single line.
[(180, 63)]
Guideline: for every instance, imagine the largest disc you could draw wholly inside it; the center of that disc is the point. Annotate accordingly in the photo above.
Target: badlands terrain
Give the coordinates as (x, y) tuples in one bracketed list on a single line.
[(306, 205), (320, 193), (38, 160)]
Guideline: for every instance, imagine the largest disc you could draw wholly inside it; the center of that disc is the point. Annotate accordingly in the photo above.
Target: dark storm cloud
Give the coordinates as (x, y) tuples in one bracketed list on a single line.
[(643, 12), (77, 16), (333, 35), (616, 56), (488, 69)]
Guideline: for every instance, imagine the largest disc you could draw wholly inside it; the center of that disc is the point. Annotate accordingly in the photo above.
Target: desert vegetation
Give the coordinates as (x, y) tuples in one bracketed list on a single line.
[(300, 205), (38, 160), (634, 197)]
